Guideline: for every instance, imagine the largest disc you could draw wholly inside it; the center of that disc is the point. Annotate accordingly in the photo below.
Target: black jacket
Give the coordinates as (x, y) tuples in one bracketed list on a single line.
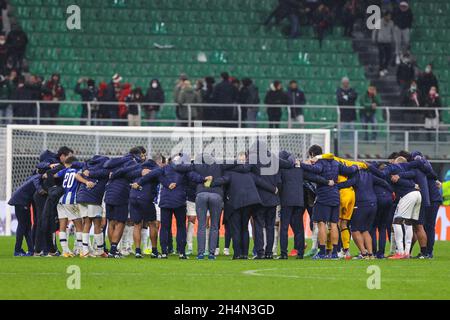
[(155, 96), (403, 20), (347, 97)]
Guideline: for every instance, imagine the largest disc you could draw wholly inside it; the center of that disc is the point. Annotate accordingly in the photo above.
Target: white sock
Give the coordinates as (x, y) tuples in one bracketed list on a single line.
[(98, 240), (275, 241), (128, 243), (144, 239), (408, 238), (398, 232), (86, 240), (79, 243), (393, 246), (265, 238), (64, 242), (190, 235), (207, 240), (315, 235)]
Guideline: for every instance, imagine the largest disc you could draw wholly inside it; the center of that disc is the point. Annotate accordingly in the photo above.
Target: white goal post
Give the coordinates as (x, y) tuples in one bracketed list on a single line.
[(24, 143)]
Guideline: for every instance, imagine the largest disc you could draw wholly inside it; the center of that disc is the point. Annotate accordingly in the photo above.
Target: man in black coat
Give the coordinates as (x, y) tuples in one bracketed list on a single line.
[(17, 41), (225, 93), (87, 94), (347, 96), (275, 96)]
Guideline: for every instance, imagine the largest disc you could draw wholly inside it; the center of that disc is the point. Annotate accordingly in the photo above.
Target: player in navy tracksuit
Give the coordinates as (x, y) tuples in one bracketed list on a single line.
[(385, 203), (293, 205), (142, 208), (172, 201), (90, 203), (326, 208), (117, 195), (22, 200), (365, 209), (431, 211)]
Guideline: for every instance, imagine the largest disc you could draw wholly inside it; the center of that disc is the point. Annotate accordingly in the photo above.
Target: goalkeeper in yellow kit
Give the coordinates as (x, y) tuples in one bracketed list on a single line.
[(347, 205)]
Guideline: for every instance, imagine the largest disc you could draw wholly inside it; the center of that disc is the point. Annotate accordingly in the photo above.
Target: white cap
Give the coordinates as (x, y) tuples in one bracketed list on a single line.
[(116, 78)]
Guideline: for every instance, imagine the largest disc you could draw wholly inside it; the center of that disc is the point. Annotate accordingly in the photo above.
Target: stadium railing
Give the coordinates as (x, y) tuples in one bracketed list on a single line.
[(393, 132)]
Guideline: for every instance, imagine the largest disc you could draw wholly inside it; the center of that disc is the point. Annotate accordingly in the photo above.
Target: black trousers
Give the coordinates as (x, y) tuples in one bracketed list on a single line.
[(166, 225), (48, 221), (23, 215), (264, 218), (239, 231), (384, 55), (38, 238), (292, 216)]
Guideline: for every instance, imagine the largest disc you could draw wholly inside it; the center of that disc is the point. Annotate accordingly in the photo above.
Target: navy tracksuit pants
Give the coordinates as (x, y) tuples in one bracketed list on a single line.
[(264, 217), (430, 224), (292, 216), (166, 225), (239, 220), (23, 215)]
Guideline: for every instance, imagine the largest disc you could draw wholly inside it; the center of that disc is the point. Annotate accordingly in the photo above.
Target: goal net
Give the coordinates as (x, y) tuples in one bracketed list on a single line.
[(24, 144)]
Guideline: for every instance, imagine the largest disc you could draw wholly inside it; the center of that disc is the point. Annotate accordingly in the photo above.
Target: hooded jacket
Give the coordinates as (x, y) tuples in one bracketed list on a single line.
[(117, 190), (330, 170), (23, 196), (97, 174), (292, 189)]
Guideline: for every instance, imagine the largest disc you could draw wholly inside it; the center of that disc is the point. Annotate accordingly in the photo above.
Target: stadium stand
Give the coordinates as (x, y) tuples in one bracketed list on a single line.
[(143, 39)]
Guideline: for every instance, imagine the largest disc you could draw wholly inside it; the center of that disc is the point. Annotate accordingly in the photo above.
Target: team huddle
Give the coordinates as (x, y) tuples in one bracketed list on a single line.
[(131, 201)]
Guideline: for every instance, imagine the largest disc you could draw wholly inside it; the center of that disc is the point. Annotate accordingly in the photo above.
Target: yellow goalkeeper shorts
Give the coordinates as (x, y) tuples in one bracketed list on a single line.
[(347, 204)]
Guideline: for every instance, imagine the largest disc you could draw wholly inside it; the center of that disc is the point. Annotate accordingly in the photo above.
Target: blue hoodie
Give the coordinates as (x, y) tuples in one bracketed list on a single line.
[(148, 192), (330, 170), (97, 174), (364, 183), (23, 196), (117, 191), (292, 188), (405, 185), (167, 175)]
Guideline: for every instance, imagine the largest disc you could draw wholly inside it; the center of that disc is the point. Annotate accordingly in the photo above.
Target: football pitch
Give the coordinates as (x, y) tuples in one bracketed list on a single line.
[(223, 279)]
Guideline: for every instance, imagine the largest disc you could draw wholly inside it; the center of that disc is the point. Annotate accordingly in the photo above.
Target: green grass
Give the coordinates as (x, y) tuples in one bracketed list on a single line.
[(45, 278)]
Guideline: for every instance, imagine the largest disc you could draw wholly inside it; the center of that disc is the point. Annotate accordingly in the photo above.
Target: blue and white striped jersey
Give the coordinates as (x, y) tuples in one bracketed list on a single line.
[(70, 185)]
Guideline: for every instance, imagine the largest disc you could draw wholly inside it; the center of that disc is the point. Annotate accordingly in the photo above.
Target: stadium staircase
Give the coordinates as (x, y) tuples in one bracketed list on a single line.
[(143, 39), (430, 43)]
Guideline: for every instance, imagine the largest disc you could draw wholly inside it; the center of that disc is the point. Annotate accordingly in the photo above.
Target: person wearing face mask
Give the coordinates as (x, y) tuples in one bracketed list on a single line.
[(370, 101), (432, 101), (412, 99), (155, 96), (427, 80)]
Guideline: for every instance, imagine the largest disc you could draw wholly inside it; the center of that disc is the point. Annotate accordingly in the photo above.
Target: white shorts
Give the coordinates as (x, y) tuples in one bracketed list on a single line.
[(190, 209), (90, 211), (278, 214), (68, 211), (409, 206), (158, 213)]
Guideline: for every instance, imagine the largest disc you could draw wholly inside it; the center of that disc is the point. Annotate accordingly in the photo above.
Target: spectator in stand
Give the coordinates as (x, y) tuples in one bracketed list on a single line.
[(5, 93), (187, 97), (370, 101), (112, 94), (249, 95), (134, 100), (225, 93), (384, 38), (199, 90), (155, 96), (178, 87), (432, 119), (4, 54), (349, 13), (23, 110), (275, 96), (405, 73), (296, 97), (286, 9), (3, 6), (17, 42), (208, 97), (403, 20), (427, 80), (310, 8), (125, 92), (103, 112), (347, 96), (411, 99), (52, 91), (322, 21), (88, 94)]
